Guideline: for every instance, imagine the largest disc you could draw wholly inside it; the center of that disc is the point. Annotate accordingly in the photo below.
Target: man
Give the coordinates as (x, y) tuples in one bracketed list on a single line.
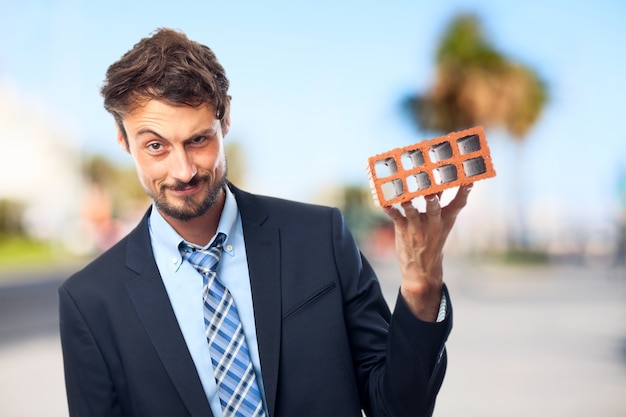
[(141, 326)]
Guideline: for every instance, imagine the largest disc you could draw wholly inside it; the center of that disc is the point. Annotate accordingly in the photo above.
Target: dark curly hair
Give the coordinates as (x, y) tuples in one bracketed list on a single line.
[(166, 66)]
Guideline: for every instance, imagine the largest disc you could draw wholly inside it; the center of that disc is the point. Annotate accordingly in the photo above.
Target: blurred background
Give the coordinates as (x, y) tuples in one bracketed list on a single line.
[(536, 263)]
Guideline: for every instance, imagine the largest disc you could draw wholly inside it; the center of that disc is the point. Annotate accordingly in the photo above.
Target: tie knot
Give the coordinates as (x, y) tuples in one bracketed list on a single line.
[(204, 260)]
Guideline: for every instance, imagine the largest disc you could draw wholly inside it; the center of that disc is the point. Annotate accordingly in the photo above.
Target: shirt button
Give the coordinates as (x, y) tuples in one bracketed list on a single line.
[(174, 260), (229, 248)]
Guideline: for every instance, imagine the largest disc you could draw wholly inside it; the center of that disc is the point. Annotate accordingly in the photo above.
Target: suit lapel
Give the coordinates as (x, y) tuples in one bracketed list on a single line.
[(263, 252), (153, 307)]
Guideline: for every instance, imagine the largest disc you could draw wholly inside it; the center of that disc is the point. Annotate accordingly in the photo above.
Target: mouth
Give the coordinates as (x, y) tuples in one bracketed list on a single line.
[(184, 189)]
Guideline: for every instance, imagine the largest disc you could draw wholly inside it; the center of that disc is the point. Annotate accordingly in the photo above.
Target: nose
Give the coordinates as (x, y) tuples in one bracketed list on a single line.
[(183, 168)]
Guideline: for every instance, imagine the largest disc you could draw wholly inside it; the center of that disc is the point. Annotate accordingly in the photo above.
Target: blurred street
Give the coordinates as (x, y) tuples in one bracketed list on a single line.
[(534, 341)]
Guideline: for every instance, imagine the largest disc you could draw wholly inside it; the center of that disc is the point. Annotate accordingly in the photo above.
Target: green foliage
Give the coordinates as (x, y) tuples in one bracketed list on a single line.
[(356, 205), (99, 170), (23, 253), (119, 181), (477, 85), (11, 212), (464, 44), (522, 257)]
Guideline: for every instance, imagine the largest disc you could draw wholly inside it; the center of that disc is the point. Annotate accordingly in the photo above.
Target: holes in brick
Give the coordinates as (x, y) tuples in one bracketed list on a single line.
[(474, 166), (392, 189), (418, 182), (445, 173), (468, 144), (412, 159), (440, 152), (385, 167)]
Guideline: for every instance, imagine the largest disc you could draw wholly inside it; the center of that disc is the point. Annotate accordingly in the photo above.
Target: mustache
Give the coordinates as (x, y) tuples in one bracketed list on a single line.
[(180, 186)]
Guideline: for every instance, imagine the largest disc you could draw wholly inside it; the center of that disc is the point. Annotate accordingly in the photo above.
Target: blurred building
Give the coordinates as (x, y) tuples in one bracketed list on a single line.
[(39, 167)]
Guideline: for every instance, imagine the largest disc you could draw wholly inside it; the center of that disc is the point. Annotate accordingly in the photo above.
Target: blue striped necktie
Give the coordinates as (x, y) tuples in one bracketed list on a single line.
[(237, 387)]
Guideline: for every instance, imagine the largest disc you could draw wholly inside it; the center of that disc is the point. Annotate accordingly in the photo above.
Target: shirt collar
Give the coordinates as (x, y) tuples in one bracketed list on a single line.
[(169, 240)]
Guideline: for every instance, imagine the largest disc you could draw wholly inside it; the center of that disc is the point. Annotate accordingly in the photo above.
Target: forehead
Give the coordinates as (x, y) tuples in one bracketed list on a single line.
[(168, 119)]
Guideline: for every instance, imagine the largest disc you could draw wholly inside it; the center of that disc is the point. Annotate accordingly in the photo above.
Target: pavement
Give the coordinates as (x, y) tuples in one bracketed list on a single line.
[(535, 341)]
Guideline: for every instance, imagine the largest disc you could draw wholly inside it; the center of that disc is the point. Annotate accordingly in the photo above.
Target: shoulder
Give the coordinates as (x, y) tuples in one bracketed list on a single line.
[(264, 209), (292, 207), (96, 273), (116, 264), (302, 226)]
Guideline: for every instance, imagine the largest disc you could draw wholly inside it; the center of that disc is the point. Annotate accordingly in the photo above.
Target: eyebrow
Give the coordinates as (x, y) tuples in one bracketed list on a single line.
[(212, 131)]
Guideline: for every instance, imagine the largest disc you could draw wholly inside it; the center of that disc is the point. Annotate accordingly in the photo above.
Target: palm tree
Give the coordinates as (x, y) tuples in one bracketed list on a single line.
[(477, 85)]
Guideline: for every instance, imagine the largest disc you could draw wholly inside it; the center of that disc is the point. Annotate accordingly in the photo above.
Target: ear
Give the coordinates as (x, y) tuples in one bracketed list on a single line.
[(225, 125), (121, 141)]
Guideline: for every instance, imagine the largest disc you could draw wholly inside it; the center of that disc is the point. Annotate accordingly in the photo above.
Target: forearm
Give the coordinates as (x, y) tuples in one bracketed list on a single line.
[(399, 359), (415, 363)]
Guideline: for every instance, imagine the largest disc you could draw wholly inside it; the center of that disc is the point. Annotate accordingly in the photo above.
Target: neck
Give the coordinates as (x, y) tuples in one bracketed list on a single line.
[(201, 229)]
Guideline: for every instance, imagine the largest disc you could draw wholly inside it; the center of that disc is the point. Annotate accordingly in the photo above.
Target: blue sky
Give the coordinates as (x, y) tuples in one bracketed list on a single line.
[(316, 85)]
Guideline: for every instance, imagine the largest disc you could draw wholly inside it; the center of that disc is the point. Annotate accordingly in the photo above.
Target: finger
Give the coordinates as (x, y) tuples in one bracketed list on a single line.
[(460, 200), (433, 207), (410, 211), (393, 213)]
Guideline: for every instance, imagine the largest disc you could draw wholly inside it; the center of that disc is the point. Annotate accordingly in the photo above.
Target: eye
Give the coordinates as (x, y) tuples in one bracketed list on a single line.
[(199, 139), (154, 146)]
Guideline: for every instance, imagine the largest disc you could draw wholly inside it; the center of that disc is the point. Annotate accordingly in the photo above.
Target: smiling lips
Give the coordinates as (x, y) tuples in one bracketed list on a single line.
[(186, 191), (182, 188)]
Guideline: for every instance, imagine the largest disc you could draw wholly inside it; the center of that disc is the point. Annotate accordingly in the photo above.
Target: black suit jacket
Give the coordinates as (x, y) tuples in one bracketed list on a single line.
[(328, 344)]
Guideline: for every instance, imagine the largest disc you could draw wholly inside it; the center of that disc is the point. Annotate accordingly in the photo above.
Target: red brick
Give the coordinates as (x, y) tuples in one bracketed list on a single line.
[(430, 166)]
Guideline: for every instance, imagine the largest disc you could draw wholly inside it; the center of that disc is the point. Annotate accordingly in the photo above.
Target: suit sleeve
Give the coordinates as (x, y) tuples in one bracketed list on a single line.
[(399, 360), (87, 379)]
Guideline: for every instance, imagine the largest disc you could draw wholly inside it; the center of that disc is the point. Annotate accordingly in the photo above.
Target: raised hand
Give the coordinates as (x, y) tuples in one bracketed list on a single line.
[(420, 238)]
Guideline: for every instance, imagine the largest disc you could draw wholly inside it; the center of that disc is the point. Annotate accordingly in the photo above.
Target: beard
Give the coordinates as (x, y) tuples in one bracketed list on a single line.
[(190, 208)]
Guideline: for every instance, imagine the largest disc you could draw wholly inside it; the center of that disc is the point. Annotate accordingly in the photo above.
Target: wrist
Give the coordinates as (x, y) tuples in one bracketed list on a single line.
[(423, 300)]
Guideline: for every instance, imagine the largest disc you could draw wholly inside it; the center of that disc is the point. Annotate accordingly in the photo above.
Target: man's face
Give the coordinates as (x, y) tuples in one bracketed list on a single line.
[(179, 156)]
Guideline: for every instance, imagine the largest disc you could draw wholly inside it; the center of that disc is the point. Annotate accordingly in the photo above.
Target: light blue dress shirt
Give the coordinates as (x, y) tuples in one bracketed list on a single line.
[(184, 288)]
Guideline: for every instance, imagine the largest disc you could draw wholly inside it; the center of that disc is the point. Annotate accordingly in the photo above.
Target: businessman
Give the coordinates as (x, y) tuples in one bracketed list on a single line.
[(225, 303)]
